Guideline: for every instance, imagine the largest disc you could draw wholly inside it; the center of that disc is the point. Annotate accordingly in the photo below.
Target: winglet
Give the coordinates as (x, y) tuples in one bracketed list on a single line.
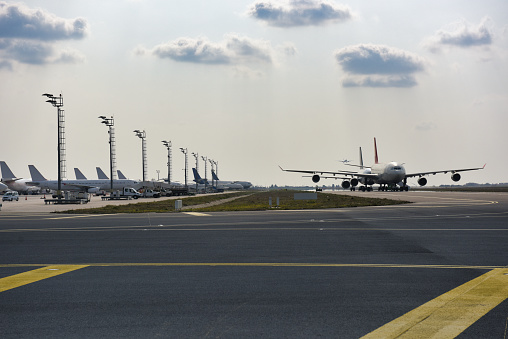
[(282, 169), (376, 160)]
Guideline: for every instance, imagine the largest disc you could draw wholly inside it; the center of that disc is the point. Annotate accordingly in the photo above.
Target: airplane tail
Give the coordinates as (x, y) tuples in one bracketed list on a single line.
[(376, 160), (197, 177), (35, 174), (214, 176), (361, 159), (79, 175), (6, 171), (120, 175), (101, 174)]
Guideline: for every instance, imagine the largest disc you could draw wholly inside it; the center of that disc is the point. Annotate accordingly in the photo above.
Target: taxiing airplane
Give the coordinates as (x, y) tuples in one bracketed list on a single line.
[(390, 175), (90, 186), (14, 183)]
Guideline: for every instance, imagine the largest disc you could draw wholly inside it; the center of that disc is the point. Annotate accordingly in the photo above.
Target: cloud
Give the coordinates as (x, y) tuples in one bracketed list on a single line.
[(21, 22), (232, 50), (295, 13), (461, 34), (30, 36), (368, 65)]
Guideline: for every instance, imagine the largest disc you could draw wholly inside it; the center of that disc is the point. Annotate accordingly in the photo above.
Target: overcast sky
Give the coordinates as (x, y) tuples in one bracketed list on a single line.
[(257, 84)]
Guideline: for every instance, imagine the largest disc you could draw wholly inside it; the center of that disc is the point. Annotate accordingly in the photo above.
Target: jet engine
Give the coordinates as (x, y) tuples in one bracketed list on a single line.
[(94, 190), (346, 184), (315, 178), (455, 176), (354, 182), (369, 181), (422, 181)]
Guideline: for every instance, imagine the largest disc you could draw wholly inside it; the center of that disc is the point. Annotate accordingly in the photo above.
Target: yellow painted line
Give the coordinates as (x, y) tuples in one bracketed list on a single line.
[(451, 313), (77, 216), (197, 214), (29, 277)]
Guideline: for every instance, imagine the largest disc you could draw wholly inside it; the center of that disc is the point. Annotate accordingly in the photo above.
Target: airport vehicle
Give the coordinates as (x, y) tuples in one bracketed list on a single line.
[(390, 175), (89, 186), (148, 193), (14, 183), (125, 193), (10, 196)]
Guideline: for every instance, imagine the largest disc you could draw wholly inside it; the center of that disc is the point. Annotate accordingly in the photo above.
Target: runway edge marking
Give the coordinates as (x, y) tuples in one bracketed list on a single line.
[(451, 313), (39, 274)]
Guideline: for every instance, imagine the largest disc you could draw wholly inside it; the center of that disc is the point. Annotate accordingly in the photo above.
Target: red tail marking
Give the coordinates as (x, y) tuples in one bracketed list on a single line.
[(376, 160)]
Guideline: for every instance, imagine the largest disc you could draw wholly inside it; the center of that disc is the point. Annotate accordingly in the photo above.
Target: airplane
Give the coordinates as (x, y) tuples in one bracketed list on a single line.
[(90, 186), (243, 184), (387, 175), (220, 185), (13, 183)]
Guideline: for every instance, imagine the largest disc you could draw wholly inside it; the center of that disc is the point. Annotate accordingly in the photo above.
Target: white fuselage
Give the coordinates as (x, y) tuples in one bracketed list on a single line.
[(390, 173), (86, 185)]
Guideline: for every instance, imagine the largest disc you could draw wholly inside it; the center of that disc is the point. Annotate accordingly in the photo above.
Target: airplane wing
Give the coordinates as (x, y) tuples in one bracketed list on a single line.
[(421, 174), (346, 173)]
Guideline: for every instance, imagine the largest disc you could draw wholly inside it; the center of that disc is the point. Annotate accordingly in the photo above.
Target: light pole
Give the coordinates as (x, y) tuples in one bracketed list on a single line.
[(211, 167), (206, 181), (110, 122), (142, 136), (168, 146), (184, 151), (58, 102), (197, 168)]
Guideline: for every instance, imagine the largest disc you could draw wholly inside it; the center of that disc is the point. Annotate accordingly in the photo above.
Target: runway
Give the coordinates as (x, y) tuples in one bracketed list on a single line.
[(435, 267)]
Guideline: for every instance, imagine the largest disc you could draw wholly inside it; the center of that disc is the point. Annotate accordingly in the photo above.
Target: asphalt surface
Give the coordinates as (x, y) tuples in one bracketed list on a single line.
[(276, 274)]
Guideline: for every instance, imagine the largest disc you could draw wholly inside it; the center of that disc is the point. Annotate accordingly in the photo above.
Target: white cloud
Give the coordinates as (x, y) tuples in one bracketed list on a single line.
[(232, 50), (299, 13), (29, 36), (370, 65), (461, 34)]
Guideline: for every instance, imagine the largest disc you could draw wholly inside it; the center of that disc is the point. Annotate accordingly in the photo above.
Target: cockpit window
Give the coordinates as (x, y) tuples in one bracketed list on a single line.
[(397, 168)]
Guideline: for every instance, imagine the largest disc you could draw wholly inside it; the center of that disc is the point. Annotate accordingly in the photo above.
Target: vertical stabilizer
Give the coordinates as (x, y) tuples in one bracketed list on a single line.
[(79, 175), (197, 177), (214, 176), (6, 171), (35, 174), (361, 159), (101, 174), (376, 160), (121, 176)]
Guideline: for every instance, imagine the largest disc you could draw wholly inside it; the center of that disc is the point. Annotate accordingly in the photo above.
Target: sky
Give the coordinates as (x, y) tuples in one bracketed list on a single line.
[(257, 84)]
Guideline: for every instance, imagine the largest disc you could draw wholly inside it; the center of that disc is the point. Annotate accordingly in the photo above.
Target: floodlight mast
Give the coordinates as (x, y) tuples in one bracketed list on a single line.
[(196, 155), (110, 122), (168, 146), (211, 167), (184, 151), (206, 181), (58, 102), (142, 136)]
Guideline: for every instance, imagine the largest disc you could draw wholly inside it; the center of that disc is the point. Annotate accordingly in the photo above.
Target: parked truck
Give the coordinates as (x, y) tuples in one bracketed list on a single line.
[(125, 193)]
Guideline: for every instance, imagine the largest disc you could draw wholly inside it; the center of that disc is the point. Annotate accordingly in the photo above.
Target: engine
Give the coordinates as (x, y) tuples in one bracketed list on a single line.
[(354, 182), (455, 176), (422, 181), (346, 184), (94, 190), (315, 178)]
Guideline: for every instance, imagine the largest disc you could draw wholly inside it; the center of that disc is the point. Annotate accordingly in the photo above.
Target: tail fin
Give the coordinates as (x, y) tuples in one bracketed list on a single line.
[(79, 175), (35, 174), (6, 171), (197, 177), (101, 174), (376, 160), (214, 176), (361, 159), (120, 175)]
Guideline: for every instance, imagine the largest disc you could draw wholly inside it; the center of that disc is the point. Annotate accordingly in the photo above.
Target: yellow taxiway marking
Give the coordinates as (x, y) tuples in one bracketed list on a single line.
[(451, 313), (197, 214), (29, 277)]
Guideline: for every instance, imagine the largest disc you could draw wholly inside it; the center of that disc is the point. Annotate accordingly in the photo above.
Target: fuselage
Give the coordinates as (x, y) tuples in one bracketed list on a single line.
[(86, 185), (388, 173)]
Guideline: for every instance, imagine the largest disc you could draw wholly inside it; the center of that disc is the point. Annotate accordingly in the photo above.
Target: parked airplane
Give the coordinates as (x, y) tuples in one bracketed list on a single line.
[(90, 186), (14, 183), (242, 184), (387, 175)]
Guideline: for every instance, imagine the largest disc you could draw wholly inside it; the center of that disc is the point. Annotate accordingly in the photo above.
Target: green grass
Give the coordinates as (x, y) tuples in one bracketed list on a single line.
[(248, 201), (259, 202)]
